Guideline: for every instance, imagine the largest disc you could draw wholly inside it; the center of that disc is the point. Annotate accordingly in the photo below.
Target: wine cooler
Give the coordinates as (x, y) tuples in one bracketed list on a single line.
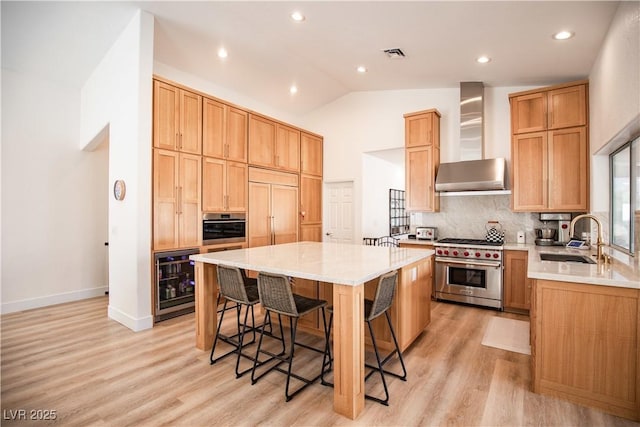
[(175, 284)]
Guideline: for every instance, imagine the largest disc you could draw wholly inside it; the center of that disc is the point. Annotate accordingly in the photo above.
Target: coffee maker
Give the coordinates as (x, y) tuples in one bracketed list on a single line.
[(555, 229)]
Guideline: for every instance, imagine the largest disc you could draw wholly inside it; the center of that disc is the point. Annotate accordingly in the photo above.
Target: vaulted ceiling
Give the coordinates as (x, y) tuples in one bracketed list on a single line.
[(268, 52)]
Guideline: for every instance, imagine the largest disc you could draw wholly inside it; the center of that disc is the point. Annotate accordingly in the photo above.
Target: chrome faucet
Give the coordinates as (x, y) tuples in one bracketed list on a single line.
[(599, 243)]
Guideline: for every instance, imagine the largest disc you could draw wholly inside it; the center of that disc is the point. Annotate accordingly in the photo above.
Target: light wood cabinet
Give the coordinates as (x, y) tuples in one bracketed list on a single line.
[(224, 131), (224, 185), (273, 145), (177, 214), (586, 347), (550, 150), (517, 286), (310, 154), (422, 158), (310, 208), (273, 208), (556, 107), (177, 119)]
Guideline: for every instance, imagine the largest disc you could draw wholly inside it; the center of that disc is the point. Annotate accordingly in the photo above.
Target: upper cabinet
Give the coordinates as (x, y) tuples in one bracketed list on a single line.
[(422, 158), (310, 154), (549, 109), (177, 119), (224, 131), (550, 149), (273, 145)]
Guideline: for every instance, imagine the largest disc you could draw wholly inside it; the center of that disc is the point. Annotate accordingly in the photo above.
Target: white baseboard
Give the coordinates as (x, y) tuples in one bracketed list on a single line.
[(27, 304), (130, 322)]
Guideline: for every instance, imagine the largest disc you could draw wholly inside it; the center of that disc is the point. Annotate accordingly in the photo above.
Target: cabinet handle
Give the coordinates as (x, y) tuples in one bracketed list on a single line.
[(180, 200), (273, 228), (181, 136), (226, 150), (177, 200), (177, 142)]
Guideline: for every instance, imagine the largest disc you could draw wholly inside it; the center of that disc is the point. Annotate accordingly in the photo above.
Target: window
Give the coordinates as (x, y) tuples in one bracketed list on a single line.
[(398, 217), (625, 195)]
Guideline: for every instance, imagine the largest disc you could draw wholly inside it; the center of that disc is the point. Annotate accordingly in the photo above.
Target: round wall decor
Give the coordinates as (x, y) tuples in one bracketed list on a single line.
[(119, 189)]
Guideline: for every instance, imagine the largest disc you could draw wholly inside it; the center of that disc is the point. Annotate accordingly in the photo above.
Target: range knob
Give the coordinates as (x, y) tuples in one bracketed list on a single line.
[(477, 254), (487, 255), (446, 252), (455, 253), (466, 253), (439, 251), (496, 255)]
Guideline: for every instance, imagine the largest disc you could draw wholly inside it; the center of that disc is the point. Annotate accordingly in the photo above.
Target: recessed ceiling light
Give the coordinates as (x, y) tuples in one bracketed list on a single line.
[(361, 69), (293, 90), (297, 16), (483, 59), (222, 53), (563, 35)]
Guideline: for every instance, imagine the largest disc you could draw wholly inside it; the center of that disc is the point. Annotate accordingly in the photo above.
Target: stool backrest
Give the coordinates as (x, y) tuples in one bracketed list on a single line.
[(384, 294), (276, 294), (231, 284)]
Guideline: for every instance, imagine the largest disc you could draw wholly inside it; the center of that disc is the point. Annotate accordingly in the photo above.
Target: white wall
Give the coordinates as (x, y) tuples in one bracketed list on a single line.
[(54, 203), (614, 104), (361, 122), (118, 95)]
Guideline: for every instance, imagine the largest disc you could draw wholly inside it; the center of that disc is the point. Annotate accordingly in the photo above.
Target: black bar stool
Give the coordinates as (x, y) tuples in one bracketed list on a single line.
[(372, 309), (276, 296), (236, 287)]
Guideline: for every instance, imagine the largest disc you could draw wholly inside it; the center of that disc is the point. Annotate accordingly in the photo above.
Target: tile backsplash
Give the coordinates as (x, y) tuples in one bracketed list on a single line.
[(467, 217)]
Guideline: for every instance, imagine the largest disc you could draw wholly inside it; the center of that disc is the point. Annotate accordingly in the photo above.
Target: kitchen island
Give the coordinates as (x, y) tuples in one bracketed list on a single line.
[(585, 330), (347, 267)]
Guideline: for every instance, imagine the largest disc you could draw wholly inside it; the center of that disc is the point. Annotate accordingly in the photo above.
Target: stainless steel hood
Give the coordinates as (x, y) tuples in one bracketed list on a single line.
[(474, 172), (471, 175)]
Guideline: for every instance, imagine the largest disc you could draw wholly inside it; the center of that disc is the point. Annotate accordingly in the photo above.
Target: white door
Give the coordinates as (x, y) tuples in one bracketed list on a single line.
[(339, 212)]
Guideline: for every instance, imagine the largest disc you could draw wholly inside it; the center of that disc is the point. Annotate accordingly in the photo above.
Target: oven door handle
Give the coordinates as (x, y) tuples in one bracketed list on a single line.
[(479, 264)]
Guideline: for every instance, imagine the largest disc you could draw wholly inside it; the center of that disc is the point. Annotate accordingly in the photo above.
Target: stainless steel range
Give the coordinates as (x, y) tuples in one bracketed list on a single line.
[(469, 271)]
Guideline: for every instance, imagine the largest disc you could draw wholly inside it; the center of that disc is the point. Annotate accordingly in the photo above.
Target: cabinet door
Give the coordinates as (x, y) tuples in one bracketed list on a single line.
[(567, 107), (420, 130), (236, 134), (213, 120), (284, 209), (310, 154), (287, 154), (190, 122), (517, 287), (190, 215), (310, 199), (311, 233), (236, 177), (419, 179), (568, 170), (166, 122), (529, 113), (262, 141), (165, 199), (259, 227), (214, 184), (530, 174)]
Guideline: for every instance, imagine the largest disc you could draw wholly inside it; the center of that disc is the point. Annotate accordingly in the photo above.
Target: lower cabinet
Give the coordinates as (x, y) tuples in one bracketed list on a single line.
[(517, 286), (586, 345)]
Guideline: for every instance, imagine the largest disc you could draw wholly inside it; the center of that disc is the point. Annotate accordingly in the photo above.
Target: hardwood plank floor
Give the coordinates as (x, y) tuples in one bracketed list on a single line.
[(91, 370)]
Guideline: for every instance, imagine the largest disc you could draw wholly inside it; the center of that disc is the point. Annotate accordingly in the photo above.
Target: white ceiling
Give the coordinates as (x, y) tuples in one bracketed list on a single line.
[(268, 52)]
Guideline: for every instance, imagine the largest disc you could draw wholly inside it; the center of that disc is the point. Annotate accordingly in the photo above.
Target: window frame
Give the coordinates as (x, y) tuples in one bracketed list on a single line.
[(633, 145)]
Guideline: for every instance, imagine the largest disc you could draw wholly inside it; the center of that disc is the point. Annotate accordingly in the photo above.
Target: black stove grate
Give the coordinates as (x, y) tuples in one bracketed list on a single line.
[(468, 242)]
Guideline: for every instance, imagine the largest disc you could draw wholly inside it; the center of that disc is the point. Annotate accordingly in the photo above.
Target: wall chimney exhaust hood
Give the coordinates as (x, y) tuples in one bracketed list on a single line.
[(473, 174)]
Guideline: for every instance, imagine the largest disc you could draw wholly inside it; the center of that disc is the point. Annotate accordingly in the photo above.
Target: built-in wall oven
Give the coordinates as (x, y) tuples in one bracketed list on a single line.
[(469, 271), (221, 228)]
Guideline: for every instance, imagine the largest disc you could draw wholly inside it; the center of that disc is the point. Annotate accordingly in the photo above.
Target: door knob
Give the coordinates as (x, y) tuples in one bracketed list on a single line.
[(329, 234)]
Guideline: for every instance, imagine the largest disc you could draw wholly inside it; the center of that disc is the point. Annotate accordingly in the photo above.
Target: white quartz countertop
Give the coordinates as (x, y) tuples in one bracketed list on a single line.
[(341, 263), (417, 242), (623, 272)]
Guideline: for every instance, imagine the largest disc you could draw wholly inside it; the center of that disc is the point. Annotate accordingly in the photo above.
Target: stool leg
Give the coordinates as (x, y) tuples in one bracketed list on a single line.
[(395, 341), (293, 324), (384, 382), (240, 342), (255, 361), (215, 340), (327, 353)]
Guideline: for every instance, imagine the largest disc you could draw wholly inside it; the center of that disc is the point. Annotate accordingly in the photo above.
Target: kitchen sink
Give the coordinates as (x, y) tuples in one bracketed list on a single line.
[(566, 258)]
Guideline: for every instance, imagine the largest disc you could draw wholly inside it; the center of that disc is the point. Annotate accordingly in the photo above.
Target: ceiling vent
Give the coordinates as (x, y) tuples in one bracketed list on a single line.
[(395, 53)]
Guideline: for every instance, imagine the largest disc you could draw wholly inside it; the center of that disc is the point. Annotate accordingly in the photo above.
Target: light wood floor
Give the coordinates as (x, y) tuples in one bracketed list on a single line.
[(93, 371)]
